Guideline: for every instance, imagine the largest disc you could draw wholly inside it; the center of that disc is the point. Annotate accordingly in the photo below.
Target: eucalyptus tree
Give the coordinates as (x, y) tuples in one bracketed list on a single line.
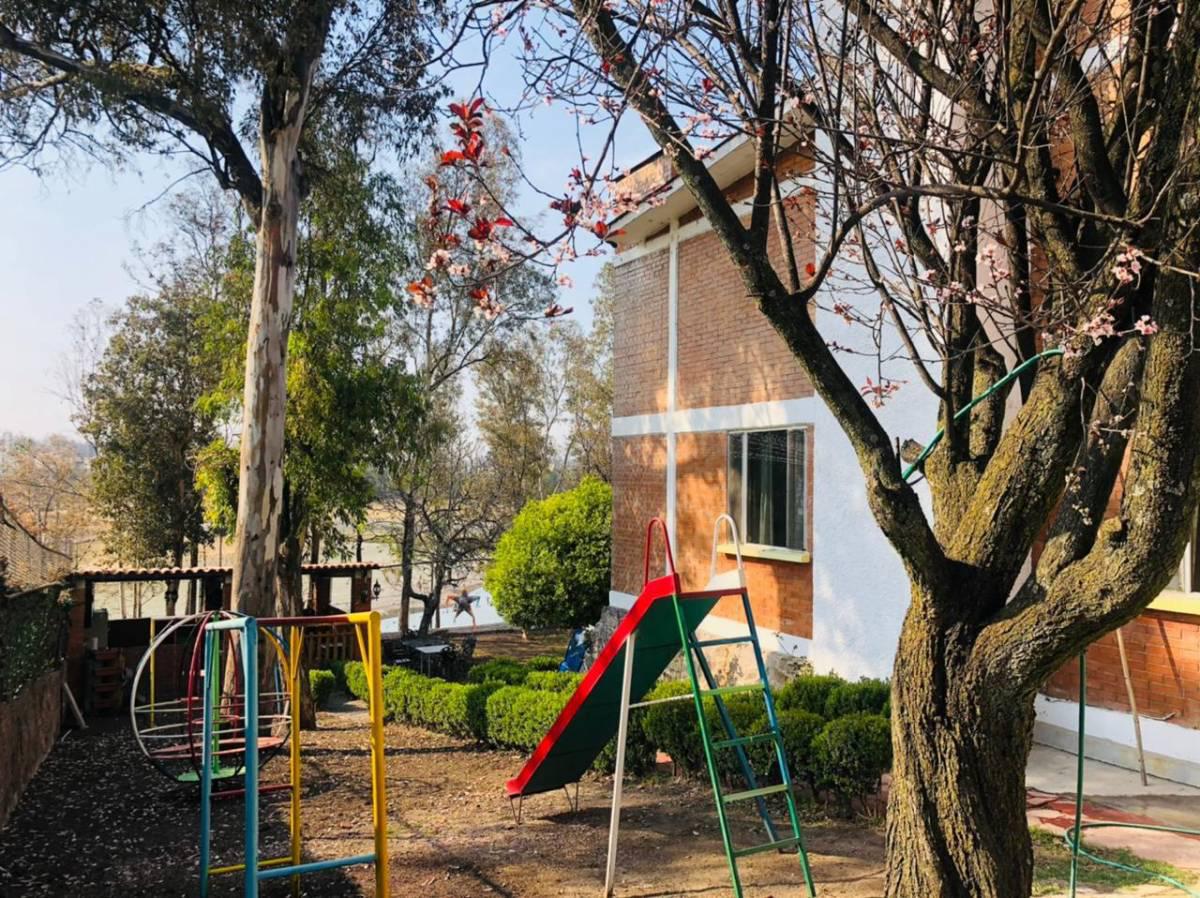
[(234, 87)]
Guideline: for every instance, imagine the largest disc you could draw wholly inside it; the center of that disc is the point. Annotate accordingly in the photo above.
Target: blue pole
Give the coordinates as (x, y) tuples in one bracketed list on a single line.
[(206, 765), (250, 670)]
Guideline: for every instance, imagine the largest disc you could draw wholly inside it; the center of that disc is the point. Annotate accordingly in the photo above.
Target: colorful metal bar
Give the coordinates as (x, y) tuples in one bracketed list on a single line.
[(378, 758), (206, 772), (295, 637), (238, 868), (314, 866), (250, 691)]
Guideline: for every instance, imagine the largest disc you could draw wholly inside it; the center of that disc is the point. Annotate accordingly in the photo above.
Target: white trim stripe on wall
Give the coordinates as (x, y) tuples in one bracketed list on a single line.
[(779, 413)]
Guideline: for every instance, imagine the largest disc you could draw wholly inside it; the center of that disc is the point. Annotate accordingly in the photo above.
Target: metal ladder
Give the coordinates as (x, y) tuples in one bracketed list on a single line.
[(693, 654)]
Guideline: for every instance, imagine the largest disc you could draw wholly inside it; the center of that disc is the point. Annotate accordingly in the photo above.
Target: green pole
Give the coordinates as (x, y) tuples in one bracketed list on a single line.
[(1075, 840)]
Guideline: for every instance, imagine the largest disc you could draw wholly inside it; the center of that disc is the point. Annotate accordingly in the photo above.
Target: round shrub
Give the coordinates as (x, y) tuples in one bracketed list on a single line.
[(748, 715), (498, 670), (553, 680), (864, 697), (356, 679), (640, 753), (807, 693), (551, 569), (852, 753), (323, 682), (544, 662), (519, 717), (672, 726), (799, 728)]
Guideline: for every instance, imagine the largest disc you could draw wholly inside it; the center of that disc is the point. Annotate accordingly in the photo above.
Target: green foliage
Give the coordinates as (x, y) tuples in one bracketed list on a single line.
[(30, 626), (519, 717), (553, 680), (799, 728), (544, 662), (502, 670), (748, 713), (807, 693), (338, 669), (140, 410), (853, 752), (866, 696), (355, 675), (672, 726), (323, 682), (551, 568)]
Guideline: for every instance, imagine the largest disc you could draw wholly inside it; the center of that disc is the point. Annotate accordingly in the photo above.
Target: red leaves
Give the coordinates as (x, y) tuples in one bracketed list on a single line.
[(450, 157), (422, 291), (810, 270), (468, 130), (483, 227), (469, 112), (554, 310), (458, 207), (708, 84)]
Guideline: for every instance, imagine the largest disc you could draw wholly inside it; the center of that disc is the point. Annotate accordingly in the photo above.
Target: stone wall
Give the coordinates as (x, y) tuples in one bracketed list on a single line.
[(28, 727)]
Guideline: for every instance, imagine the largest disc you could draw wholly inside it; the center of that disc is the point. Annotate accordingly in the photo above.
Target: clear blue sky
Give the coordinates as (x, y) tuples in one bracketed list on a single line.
[(66, 239)]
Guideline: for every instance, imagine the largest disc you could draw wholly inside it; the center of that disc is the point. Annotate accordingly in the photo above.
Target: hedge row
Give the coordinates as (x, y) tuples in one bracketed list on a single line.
[(845, 753)]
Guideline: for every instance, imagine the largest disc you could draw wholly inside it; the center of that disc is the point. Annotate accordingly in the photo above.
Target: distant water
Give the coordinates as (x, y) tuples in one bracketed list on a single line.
[(485, 615)]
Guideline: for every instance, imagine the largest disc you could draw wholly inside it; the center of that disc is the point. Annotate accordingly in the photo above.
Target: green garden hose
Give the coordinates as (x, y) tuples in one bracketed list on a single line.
[(998, 385), (1071, 836)]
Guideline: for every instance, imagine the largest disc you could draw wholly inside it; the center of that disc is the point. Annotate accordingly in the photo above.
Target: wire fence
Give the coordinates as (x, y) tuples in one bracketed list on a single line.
[(24, 561)]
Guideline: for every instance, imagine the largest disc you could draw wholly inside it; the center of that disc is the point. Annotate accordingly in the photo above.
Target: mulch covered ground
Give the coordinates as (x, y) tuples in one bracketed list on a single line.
[(99, 821)]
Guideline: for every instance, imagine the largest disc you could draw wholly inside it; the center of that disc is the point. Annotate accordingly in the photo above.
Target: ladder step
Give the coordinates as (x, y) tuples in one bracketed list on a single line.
[(733, 690), (790, 842), (744, 740), (754, 793), (729, 640)]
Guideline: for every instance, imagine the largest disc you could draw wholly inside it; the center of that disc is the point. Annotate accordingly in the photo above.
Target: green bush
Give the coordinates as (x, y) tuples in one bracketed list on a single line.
[(356, 679), (799, 728), (864, 697), (500, 670), (748, 714), (640, 752), (322, 682), (338, 669), (672, 726), (553, 680), (518, 717), (852, 753), (807, 693), (544, 662), (551, 569)]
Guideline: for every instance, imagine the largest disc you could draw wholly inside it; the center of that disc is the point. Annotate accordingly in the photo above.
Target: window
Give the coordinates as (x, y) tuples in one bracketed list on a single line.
[(1187, 578), (767, 486)]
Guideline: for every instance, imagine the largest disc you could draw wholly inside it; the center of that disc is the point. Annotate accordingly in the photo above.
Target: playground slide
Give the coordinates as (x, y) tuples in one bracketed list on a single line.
[(589, 721)]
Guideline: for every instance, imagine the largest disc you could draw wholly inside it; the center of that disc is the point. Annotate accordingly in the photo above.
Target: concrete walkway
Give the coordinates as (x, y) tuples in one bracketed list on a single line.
[(1115, 795)]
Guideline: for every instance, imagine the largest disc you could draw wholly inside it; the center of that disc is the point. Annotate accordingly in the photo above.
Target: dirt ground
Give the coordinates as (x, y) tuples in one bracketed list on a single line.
[(99, 821)]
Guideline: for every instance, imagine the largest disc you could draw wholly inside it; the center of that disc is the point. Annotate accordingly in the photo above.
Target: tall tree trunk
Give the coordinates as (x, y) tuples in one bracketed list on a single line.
[(260, 481), (291, 588), (192, 585), (408, 542), (956, 825), (171, 597), (432, 600)]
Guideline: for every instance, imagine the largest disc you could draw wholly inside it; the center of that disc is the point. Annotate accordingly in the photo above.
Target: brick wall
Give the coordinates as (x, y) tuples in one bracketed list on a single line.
[(639, 494), (28, 728), (1164, 664), (728, 352), (780, 591), (640, 335)]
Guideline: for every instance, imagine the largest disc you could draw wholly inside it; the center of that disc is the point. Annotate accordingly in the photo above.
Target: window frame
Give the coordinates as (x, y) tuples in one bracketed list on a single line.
[(1185, 599), (802, 433)]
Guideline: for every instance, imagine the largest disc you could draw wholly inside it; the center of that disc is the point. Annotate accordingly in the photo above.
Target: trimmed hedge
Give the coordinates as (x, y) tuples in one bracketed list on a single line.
[(323, 682), (853, 752), (544, 662), (847, 755), (807, 693), (553, 680), (502, 670), (864, 697), (518, 717)]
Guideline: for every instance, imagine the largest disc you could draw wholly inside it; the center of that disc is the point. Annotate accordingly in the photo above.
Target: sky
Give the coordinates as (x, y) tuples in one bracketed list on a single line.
[(67, 238)]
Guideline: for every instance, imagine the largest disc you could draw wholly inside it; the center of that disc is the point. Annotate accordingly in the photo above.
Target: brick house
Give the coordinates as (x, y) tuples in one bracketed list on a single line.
[(712, 414)]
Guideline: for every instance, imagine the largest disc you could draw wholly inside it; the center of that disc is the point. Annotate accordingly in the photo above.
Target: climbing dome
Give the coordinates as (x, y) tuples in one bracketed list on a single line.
[(167, 706)]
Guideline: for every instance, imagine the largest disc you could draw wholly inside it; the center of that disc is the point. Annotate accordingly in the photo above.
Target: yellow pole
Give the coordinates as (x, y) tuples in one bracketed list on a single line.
[(378, 768), (294, 754), (152, 668)]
